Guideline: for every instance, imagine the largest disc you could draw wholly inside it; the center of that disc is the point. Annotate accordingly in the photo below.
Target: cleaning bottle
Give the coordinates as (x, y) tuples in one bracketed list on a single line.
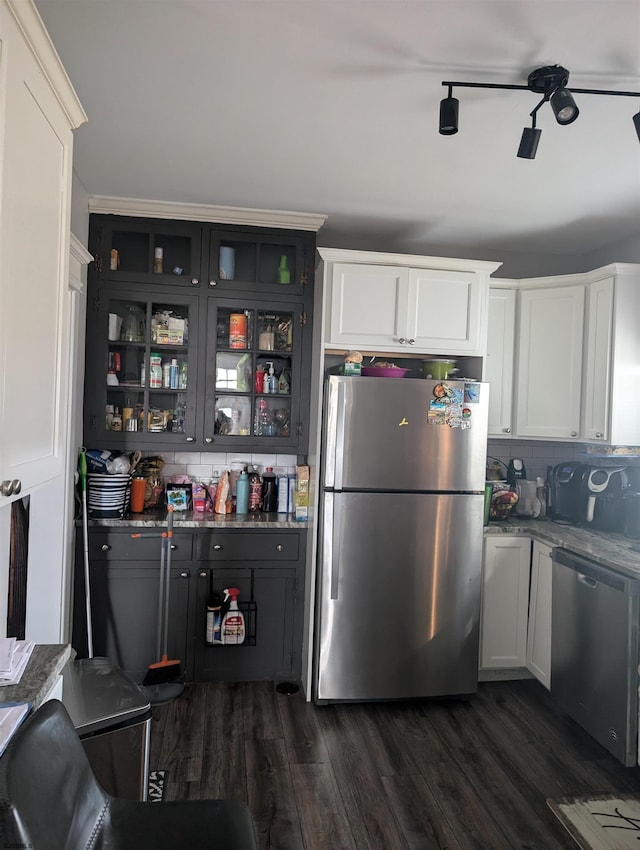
[(242, 492), (255, 490), (233, 626)]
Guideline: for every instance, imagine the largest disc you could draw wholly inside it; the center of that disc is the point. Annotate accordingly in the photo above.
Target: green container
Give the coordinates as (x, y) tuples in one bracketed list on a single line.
[(488, 492), (439, 369)]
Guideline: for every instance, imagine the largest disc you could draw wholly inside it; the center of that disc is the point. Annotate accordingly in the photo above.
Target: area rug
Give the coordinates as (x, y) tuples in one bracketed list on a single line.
[(601, 822), (155, 788)]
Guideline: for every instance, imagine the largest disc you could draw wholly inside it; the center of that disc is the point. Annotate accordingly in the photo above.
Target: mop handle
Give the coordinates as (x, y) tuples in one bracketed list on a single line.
[(169, 537), (82, 468), (160, 605)]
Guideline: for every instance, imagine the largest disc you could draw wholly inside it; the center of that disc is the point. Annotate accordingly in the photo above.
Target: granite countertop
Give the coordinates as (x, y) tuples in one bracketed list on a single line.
[(40, 675), (192, 519), (606, 548)]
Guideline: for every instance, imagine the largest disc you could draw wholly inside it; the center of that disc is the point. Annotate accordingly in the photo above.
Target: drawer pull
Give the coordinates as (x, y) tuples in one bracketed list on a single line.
[(173, 547), (105, 547), (203, 574), (184, 574), (279, 547), (217, 547)]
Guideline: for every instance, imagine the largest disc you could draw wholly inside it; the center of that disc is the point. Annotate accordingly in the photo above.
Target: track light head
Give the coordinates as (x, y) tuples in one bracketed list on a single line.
[(529, 143), (564, 106), (449, 115)]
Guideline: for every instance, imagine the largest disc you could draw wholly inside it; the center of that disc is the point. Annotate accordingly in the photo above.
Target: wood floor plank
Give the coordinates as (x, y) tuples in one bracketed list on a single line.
[(387, 748), (224, 772), (324, 821), (270, 793), (526, 821), (261, 714), (371, 820), (419, 816), (301, 731), (182, 753)]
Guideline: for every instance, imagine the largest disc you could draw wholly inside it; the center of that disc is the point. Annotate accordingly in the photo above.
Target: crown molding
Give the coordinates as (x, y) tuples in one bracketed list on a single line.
[(33, 29), (243, 216), (341, 255)]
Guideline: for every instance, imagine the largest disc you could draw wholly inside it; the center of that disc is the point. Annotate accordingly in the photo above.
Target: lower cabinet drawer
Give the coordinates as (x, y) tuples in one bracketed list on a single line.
[(121, 545), (245, 546)]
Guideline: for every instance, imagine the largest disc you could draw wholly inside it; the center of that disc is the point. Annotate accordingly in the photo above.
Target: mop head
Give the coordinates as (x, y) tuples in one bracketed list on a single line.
[(165, 670)]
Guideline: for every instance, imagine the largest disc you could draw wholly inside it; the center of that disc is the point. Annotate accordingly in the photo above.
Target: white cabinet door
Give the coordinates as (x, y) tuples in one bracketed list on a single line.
[(549, 368), (499, 361), (597, 382), (505, 600), (365, 302), (539, 632), (445, 311), (36, 144)]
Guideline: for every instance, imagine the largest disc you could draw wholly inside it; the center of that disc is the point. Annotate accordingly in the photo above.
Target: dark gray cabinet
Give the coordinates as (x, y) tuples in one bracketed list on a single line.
[(267, 566), (222, 334)]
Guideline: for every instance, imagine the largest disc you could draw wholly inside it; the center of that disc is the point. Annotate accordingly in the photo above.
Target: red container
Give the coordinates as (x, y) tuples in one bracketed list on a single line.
[(237, 330)]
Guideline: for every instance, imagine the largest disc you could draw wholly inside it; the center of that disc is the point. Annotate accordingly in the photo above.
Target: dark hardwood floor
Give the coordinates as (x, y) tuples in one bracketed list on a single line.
[(384, 776)]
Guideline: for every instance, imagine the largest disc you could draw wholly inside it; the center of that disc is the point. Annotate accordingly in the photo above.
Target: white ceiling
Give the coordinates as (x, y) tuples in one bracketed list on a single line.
[(331, 106)]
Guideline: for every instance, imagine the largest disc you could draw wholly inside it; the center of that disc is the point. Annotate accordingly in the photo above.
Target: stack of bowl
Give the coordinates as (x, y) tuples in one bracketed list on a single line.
[(107, 495)]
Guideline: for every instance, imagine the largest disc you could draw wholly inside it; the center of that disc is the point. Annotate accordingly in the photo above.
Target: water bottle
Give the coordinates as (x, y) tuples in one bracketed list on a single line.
[(242, 493), (269, 491)]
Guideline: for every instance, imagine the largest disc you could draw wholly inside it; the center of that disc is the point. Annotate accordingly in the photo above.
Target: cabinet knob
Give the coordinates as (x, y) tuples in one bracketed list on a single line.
[(217, 547), (507, 430), (105, 547), (203, 574), (402, 340), (599, 434), (191, 439), (213, 283), (574, 433), (208, 440), (411, 341), (194, 281), (184, 574), (11, 488), (173, 547), (279, 547)]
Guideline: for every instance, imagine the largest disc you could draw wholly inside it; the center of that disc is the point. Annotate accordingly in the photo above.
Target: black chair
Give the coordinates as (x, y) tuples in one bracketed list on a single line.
[(50, 799)]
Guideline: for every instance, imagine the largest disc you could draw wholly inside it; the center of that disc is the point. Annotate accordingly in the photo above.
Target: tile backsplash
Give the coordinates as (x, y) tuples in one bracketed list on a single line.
[(536, 455), (201, 465)]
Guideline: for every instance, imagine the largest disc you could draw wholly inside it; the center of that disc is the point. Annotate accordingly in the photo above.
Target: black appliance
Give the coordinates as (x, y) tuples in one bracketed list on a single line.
[(515, 471), (631, 526), (568, 491), (584, 493)]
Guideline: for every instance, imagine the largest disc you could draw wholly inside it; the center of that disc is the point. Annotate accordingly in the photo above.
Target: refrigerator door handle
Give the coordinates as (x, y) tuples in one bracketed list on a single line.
[(339, 438), (330, 552)]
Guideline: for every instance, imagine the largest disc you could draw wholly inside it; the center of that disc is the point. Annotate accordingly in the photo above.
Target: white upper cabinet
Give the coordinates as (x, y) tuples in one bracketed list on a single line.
[(498, 365), (611, 401), (400, 303), (39, 110), (549, 360)]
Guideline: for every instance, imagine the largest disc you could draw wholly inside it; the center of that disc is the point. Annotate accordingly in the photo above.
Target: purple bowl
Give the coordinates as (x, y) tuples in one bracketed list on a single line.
[(383, 372)]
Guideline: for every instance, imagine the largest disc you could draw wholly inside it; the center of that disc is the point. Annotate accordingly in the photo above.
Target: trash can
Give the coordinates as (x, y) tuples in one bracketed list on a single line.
[(112, 716)]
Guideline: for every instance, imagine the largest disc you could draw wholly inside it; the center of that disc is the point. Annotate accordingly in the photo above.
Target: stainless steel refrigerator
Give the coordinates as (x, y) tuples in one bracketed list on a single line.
[(403, 476)]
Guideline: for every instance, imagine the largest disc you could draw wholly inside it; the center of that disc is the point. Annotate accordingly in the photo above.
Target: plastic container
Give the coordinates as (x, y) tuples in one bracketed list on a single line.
[(383, 372), (283, 494), (269, 491)]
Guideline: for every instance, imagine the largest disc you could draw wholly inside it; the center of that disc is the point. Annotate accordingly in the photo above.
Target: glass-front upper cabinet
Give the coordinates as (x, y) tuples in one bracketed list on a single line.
[(275, 262), (141, 370), (253, 374), (147, 250)]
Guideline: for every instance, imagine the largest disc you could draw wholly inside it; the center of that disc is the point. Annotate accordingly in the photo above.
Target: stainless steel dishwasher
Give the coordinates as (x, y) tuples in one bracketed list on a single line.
[(594, 651)]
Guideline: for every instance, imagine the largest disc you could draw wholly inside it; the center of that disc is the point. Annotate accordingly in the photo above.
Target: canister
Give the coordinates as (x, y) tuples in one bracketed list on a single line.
[(237, 330)]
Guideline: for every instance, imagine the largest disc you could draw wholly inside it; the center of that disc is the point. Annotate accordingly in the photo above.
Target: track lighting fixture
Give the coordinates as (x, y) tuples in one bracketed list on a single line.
[(549, 81)]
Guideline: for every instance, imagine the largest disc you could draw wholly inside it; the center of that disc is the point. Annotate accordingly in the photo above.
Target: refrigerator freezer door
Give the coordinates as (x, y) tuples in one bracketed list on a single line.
[(399, 596), (400, 434)]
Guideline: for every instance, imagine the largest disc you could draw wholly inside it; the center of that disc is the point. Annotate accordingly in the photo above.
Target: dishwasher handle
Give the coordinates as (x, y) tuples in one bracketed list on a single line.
[(590, 573)]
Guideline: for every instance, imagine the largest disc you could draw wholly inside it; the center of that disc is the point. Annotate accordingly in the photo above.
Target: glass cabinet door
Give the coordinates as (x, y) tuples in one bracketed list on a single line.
[(278, 264), (140, 389), (253, 373), (148, 251)]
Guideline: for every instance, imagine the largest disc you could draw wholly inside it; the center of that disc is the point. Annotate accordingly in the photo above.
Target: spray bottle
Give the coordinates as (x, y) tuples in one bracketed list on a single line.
[(233, 626)]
